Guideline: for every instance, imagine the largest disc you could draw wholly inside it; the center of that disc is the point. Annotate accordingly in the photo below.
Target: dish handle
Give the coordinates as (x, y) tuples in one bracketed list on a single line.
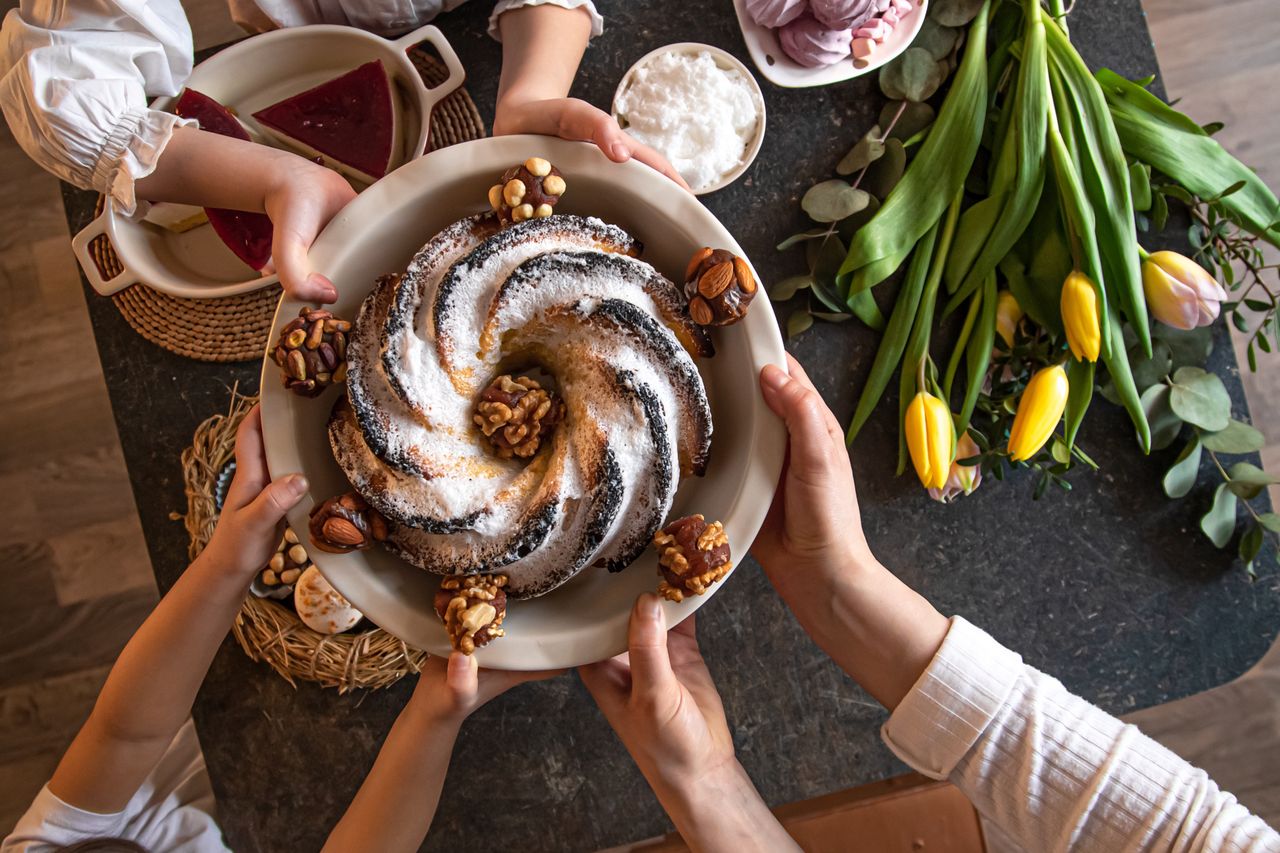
[(80, 245), (428, 98)]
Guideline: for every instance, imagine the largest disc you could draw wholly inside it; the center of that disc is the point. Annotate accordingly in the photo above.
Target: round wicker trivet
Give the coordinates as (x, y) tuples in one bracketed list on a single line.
[(235, 328), (270, 631)]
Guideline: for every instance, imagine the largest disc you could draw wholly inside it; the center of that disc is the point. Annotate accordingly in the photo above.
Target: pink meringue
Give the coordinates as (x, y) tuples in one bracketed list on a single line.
[(843, 14), (813, 45), (774, 13)]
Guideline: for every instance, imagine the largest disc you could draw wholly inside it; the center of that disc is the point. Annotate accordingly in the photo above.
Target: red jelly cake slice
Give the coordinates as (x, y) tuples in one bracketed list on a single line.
[(246, 234), (350, 122)]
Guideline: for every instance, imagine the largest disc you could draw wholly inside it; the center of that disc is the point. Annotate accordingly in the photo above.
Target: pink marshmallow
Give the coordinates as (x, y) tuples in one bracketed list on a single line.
[(876, 31), (902, 7), (863, 48), (890, 18)]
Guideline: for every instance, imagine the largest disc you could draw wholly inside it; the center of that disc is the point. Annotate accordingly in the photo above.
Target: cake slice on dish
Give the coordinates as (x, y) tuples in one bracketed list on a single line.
[(246, 234), (351, 122)]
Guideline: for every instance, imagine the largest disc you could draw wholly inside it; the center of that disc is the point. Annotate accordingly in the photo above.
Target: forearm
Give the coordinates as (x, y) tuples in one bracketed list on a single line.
[(211, 170), (149, 693), (541, 49), (394, 807), (723, 812)]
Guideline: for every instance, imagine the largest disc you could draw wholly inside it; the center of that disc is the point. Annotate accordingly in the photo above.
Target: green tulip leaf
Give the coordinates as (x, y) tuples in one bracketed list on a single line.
[(1140, 185), (797, 239), (1149, 371), (799, 321), (1271, 521), (936, 38), (1182, 475), (1220, 521), (1165, 425), (866, 151), (883, 175), (954, 13), (912, 116), (783, 290), (1248, 481), (914, 75), (831, 201), (1238, 437), (1189, 348), (1200, 398)]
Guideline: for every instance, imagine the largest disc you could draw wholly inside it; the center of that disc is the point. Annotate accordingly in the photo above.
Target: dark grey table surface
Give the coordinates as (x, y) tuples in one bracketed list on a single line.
[(1111, 587)]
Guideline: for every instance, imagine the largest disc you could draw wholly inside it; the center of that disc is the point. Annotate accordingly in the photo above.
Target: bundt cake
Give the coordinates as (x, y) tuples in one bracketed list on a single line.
[(564, 295)]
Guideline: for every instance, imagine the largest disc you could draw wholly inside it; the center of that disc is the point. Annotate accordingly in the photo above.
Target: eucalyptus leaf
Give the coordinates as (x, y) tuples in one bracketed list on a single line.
[(1200, 398), (1165, 425), (797, 239), (1181, 477), (936, 38), (783, 290), (914, 75), (831, 201), (1238, 437), (1149, 371), (913, 118), (1220, 521), (954, 13), (830, 317), (824, 259), (1248, 480), (1140, 185), (866, 151), (1271, 521), (1250, 545), (798, 322), (1188, 348), (883, 175), (850, 224)]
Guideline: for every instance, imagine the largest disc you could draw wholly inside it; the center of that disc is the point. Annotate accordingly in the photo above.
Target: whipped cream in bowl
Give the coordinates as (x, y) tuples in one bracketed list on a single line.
[(699, 107)]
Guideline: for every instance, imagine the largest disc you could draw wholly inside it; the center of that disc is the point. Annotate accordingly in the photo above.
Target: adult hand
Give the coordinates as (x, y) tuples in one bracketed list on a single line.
[(574, 119), (250, 525), (301, 199)]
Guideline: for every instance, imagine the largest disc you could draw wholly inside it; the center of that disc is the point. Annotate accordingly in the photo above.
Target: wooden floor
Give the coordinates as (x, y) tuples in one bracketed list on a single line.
[(69, 538)]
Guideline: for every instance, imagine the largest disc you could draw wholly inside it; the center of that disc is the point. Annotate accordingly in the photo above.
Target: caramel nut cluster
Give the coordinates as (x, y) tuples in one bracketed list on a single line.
[(719, 286), (287, 563), (692, 555), (472, 609), (527, 191), (346, 523), (516, 415), (312, 351)]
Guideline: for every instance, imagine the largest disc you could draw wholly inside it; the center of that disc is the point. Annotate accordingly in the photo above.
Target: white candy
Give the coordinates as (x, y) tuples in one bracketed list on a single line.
[(321, 606)]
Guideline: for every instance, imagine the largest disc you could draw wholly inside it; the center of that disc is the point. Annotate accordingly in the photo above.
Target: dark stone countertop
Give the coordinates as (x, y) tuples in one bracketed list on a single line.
[(1112, 588)]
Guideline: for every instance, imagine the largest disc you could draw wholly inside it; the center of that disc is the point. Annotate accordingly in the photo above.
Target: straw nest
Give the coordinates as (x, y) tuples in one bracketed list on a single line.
[(270, 631)]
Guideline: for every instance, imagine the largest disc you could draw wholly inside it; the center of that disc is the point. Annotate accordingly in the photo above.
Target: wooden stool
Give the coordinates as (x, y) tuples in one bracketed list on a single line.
[(905, 814)]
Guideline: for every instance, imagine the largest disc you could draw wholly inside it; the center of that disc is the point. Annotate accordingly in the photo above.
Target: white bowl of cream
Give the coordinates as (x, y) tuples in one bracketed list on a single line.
[(699, 107)]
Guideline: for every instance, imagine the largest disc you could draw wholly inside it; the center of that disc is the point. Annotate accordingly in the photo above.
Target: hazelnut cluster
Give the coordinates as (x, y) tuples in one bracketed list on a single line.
[(312, 350), (472, 609), (719, 286), (692, 555), (287, 563), (527, 191), (517, 415), (346, 523)]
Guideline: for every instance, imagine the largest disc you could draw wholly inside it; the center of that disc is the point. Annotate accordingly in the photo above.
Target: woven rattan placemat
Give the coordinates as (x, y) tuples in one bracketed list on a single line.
[(235, 328)]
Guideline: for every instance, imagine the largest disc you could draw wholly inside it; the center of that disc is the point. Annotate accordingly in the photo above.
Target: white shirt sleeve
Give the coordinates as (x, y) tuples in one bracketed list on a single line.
[(77, 77), (1051, 770), (597, 22)]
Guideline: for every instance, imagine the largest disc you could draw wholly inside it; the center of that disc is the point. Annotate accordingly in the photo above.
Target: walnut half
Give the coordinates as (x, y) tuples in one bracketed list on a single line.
[(692, 555)]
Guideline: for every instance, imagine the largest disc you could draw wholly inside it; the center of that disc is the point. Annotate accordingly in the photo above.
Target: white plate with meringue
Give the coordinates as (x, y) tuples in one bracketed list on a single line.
[(830, 52), (584, 619)]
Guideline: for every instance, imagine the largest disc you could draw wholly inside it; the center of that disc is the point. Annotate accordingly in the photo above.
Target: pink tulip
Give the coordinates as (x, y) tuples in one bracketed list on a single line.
[(962, 479), (1179, 291)]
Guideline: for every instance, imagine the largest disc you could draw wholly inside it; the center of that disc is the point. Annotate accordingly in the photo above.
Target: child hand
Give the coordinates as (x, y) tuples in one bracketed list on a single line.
[(452, 688), (813, 530), (574, 119), (301, 200), (249, 527), (660, 699)]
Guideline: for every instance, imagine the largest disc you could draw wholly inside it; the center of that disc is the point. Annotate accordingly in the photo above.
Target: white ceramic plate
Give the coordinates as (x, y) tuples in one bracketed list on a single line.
[(723, 59), (248, 76), (586, 619), (781, 70)]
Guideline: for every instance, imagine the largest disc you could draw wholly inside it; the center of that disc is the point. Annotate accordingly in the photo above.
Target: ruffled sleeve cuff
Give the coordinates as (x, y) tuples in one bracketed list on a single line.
[(597, 22), (131, 152), (965, 686)]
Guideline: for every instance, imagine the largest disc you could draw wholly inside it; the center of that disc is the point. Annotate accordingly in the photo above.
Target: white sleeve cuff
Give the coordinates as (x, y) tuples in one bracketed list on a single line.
[(965, 686), (131, 152), (597, 22)]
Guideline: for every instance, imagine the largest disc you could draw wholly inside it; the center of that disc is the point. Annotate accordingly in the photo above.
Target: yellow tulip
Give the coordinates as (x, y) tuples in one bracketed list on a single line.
[(1179, 291), (1080, 316), (1039, 411), (931, 439), (1008, 316)]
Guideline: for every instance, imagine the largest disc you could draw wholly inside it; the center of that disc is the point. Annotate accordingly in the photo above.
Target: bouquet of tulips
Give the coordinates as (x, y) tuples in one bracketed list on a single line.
[(1017, 220)]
